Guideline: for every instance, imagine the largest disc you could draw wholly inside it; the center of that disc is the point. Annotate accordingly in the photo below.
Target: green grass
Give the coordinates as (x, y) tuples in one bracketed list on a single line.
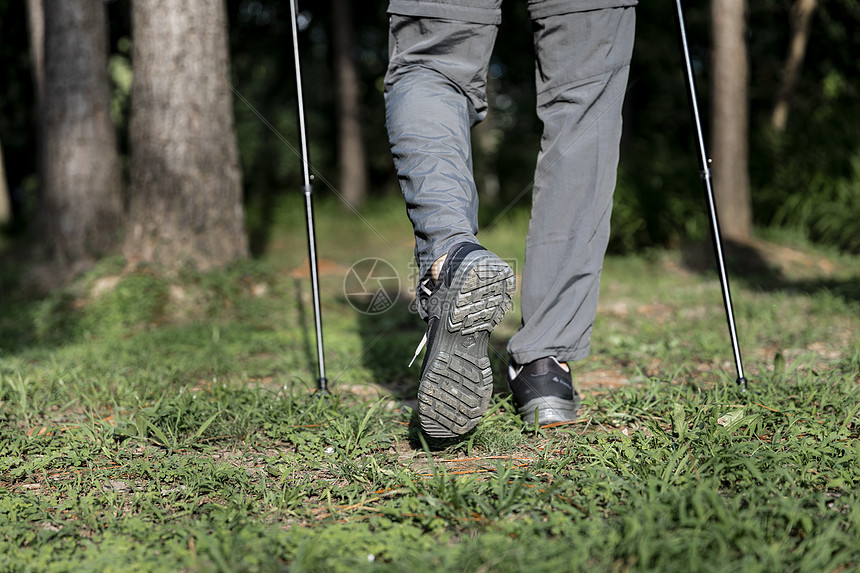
[(150, 423)]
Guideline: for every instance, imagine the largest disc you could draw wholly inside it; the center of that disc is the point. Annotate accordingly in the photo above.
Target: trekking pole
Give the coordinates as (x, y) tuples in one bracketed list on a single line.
[(705, 171), (307, 191)]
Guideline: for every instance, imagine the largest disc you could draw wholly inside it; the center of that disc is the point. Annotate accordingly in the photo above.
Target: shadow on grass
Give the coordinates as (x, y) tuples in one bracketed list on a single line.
[(306, 326), (389, 340), (762, 266), (19, 307)]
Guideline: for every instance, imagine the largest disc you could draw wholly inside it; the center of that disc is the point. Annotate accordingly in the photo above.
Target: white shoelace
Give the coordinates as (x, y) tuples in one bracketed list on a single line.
[(418, 350), (424, 286)]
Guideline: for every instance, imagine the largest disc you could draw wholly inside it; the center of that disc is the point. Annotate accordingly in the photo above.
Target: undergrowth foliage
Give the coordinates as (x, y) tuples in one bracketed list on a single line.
[(150, 423), (250, 479)]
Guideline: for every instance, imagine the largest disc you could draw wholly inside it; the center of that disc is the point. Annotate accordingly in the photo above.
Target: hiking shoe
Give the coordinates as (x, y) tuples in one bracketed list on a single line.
[(543, 388), (470, 297)]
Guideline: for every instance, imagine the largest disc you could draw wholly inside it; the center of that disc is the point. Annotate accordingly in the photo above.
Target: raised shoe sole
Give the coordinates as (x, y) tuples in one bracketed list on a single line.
[(456, 382)]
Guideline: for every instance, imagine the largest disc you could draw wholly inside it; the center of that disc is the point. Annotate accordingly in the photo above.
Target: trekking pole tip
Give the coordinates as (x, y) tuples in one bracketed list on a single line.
[(322, 387)]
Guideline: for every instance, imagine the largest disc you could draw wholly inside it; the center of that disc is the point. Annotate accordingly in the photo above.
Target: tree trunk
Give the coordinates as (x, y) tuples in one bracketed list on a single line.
[(36, 25), (730, 119), (486, 139), (351, 156), (5, 203), (186, 192), (801, 18), (81, 208), (36, 33)]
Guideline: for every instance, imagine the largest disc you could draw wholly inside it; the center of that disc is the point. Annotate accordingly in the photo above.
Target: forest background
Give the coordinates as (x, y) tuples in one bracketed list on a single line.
[(154, 417), (803, 161)]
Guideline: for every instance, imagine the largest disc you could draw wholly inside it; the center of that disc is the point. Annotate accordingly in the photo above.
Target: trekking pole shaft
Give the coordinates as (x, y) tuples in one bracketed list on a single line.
[(307, 191), (312, 255), (303, 136), (705, 172)]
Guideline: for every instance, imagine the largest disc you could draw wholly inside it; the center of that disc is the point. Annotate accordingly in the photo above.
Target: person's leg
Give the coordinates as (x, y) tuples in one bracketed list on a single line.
[(582, 66), (434, 93)]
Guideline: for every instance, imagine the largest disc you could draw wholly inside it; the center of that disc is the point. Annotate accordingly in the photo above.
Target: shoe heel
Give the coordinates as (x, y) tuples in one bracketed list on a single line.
[(484, 297)]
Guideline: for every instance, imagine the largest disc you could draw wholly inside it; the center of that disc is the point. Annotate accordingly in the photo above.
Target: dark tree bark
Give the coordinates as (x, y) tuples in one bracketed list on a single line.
[(186, 194), (801, 18), (81, 208), (486, 154), (351, 155), (36, 33), (5, 204), (36, 25), (730, 119)]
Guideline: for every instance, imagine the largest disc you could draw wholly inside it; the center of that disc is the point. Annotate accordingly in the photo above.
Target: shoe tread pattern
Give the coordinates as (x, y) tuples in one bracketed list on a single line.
[(457, 386)]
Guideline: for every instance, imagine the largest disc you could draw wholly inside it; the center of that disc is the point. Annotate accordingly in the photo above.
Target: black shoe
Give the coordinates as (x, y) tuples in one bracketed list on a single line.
[(543, 388), (462, 307)]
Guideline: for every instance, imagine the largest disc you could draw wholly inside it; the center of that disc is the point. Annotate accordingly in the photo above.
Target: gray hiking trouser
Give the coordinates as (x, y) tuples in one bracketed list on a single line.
[(436, 91)]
